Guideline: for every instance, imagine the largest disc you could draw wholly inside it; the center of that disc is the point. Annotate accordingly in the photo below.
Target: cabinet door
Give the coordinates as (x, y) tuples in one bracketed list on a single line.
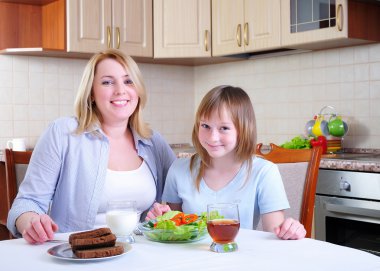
[(309, 21), (132, 27), (262, 25), (227, 27), (182, 28), (88, 25)]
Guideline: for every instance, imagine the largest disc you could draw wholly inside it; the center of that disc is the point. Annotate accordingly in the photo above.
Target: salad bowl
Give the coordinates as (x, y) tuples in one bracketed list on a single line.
[(164, 230)]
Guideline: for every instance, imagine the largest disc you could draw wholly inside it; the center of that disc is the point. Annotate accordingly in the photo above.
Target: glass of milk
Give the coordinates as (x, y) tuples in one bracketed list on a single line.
[(122, 218)]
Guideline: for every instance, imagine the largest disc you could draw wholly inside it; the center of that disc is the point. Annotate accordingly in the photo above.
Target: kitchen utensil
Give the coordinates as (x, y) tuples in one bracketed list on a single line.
[(308, 128), (320, 126), (336, 126)]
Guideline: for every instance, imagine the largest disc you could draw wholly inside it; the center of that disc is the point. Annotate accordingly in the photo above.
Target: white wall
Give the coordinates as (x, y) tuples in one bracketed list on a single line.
[(36, 90), (288, 91)]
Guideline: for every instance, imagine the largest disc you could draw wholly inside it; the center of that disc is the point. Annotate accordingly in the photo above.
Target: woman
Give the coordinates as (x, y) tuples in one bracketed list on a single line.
[(105, 152), (225, 168)]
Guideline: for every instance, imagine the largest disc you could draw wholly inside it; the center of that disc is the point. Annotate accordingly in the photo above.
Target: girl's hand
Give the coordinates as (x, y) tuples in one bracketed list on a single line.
[(157, 210), (290, 229), (35, 228)]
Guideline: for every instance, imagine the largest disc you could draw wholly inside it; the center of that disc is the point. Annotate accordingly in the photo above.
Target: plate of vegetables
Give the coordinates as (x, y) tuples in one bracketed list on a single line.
[(175, 227)]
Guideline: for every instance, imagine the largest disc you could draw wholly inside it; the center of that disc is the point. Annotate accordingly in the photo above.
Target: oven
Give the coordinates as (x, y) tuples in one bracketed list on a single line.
[(347, 209)]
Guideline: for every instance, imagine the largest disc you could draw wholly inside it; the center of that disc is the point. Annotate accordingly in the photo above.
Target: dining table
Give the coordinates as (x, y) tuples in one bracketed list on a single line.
[(257, 250)]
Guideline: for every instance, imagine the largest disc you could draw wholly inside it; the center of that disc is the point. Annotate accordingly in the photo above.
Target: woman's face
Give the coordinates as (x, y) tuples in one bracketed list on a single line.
[(218, 134), (114, 92)]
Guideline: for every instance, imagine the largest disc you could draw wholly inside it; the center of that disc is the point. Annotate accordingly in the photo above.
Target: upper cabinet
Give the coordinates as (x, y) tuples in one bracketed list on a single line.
[(241, 26), (94, 25), (318, 24), (182, 28)]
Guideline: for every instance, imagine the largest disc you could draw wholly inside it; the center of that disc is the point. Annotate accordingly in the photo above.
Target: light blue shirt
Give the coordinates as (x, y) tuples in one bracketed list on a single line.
[(262, 193), (70, 170)]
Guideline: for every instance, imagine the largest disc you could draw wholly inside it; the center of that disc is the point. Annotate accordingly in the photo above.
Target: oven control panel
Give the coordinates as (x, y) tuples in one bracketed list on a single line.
[(351, 184)]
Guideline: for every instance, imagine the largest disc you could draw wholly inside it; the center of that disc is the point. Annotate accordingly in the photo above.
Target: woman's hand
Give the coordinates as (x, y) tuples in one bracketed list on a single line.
[(35, 228), (157, 210), (290, 229)]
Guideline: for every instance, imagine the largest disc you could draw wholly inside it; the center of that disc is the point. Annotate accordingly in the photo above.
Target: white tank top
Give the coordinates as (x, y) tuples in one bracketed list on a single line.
[(137, 185)]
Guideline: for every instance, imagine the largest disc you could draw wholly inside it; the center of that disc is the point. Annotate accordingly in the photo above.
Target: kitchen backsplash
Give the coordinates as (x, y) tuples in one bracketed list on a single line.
[(36, 90), (286, 91)]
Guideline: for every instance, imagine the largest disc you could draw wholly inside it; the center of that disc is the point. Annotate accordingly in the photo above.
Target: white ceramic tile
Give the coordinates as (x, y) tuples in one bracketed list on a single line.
[(6, 112), (21, 79), (51, 81), (374, 88), (66, 81), (361, 72), (361, 108), (20, 112), (51, 96), (21, 128), (375, 109), (36, 96), (36, 64), (374, 71), (347, 73), (6, 79), (36, 128), (20, 96), (361, 90), (36, 80), (6, 130), (374, 52), (36, 113), (361, 54), (6, 63), (20, 64), (66, 97), (346, 55), (6, 95)]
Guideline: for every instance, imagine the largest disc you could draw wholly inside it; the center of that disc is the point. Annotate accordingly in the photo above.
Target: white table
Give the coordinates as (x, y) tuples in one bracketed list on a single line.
[(257, 251)]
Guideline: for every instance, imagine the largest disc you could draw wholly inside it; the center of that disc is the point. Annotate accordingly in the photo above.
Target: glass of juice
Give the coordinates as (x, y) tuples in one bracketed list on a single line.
[(122, 218), (223, 225)]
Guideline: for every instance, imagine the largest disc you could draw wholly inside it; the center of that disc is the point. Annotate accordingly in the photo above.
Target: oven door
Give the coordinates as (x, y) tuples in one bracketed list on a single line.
[(348, 222)]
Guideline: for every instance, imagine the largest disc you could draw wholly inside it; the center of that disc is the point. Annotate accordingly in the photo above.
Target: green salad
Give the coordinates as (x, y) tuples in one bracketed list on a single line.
[(175, 226)]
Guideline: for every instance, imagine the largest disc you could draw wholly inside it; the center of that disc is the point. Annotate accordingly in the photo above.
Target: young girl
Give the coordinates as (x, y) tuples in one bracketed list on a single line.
[(225, 169)]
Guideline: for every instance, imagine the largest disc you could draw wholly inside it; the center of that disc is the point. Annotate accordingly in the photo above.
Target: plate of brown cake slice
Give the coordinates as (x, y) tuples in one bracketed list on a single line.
[(94, 245)]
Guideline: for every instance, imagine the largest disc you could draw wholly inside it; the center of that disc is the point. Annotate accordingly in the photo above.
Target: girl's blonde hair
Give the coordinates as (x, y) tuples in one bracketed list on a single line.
[(86, 111), (238, 104)]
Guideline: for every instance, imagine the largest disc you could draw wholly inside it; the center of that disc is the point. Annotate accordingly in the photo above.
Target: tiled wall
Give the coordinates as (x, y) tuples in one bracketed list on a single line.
[(36, 90), (286, 91)]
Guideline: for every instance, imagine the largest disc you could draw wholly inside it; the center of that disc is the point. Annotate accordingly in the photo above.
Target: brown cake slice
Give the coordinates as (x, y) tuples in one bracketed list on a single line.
[(89, 234), (99, 252), (108, 240)]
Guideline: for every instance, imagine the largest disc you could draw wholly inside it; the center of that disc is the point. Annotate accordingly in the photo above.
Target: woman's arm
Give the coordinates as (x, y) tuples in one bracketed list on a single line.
[(288, 228)]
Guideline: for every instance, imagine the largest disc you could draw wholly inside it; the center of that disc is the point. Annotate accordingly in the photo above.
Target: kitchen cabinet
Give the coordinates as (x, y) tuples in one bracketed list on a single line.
[(95, 25), (32, 24), (77, 26), (182, 28), (323, 24), (241, 26)]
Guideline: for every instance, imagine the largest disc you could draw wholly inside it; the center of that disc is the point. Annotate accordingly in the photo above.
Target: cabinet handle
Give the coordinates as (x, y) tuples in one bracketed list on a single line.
[(108, 37), (206, 40), (246, 37), (238, 35), (118, 37), (339, 17)]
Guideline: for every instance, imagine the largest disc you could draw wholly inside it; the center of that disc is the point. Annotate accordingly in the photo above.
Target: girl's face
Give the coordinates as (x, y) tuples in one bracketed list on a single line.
[(218, 134), (114, 92)]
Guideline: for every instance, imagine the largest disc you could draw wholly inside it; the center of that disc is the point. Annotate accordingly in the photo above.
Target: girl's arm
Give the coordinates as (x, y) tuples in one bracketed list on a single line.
[(159, 209), (288, 228)]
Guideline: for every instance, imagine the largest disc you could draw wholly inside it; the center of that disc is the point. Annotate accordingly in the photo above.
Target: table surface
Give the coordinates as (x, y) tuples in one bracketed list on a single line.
[(257, 251)]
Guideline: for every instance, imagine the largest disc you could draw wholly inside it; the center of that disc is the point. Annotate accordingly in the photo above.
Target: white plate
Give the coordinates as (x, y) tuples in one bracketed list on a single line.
[(64, 252)]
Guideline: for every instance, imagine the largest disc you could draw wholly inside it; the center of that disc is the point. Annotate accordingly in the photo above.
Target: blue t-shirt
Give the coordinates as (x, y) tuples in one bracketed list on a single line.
[(262, 193)]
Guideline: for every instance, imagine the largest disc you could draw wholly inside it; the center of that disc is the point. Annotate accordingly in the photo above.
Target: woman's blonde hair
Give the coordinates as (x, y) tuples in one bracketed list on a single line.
[(86, 111), (238, 104)]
